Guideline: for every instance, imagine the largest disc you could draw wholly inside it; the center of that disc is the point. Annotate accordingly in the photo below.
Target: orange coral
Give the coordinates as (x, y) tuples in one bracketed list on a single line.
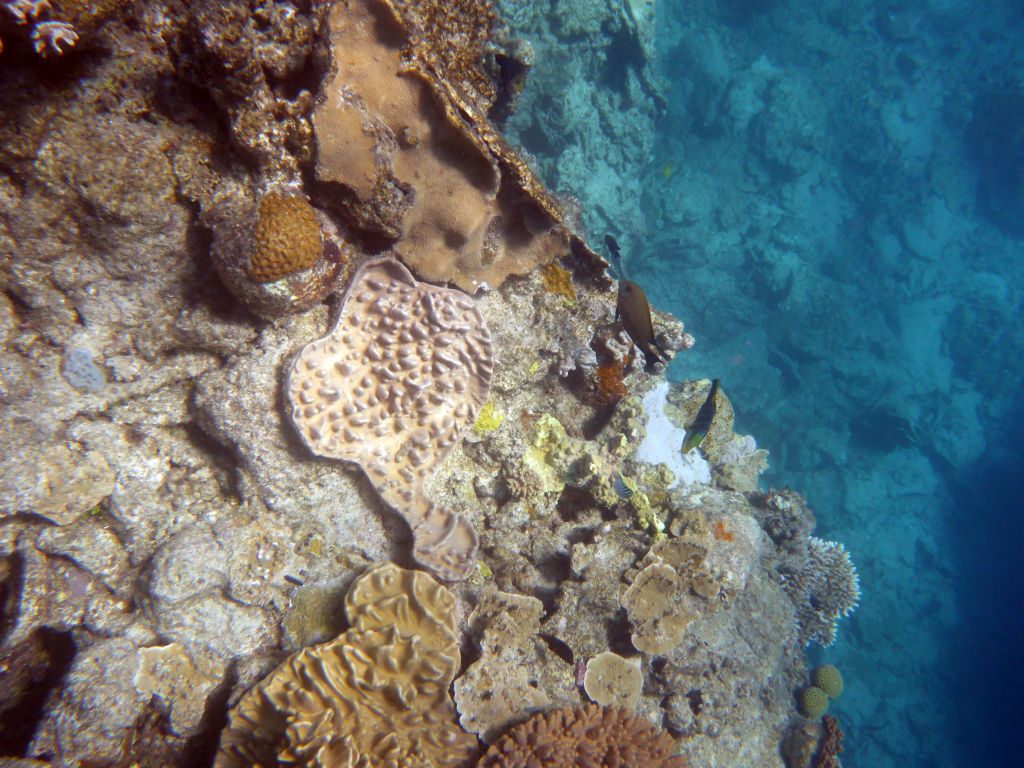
[(721, 533), (609, 384), (558, 281)]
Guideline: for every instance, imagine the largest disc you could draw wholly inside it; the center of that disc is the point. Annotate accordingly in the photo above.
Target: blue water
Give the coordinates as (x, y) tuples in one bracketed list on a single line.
[(830, 195)]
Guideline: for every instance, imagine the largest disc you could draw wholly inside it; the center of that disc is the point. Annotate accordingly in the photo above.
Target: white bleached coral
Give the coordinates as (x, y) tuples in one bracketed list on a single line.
[(392, 388)]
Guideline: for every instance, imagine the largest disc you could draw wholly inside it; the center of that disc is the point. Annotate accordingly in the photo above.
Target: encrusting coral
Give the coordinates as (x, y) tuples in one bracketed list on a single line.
[(590, 735), (405, 147), (393, 386), (375, 696), (611, 680)]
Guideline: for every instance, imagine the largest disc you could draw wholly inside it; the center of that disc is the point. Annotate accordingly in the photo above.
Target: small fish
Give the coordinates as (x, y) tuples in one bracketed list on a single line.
[(613, 248), (632, 307), (699, 428)]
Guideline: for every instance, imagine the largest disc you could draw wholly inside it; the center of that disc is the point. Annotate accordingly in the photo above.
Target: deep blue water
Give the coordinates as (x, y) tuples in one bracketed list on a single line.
[(831, 196)]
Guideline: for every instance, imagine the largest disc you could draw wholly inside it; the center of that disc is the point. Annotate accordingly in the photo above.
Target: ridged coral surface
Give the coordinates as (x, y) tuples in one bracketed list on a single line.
[(372, 697), (590, 736), (287, 237)]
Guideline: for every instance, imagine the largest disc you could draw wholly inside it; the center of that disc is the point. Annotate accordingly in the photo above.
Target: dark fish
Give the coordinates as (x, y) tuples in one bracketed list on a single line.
[(634, 311), (613, 248), (699, 428)]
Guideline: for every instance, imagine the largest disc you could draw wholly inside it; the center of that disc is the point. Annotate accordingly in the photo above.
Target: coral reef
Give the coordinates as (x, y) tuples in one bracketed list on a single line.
[(167, 532), (403, 373), (587, 735), (377, 694), (516, 673)]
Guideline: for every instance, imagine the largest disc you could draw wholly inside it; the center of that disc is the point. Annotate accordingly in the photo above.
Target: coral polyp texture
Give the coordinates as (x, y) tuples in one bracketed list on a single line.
[(375, 696), (392, 388), (287, 237), (590, 735), (404, 146)]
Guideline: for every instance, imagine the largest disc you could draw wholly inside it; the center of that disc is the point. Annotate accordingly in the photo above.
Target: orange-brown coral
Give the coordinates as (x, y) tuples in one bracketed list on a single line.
[(721, 532), (609, 384), (590, 735), (831, 744), (287, 237), (375, 696)]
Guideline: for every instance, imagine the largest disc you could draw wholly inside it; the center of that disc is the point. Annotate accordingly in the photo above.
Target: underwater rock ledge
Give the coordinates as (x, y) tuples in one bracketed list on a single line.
[(170, 531)]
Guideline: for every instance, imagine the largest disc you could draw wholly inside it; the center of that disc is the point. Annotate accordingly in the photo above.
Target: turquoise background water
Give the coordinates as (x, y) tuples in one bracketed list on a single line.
[(831, 196)]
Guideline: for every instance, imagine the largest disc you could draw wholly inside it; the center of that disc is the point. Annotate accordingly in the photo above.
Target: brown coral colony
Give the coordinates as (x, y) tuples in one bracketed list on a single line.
[(591, 735), (287, 237)]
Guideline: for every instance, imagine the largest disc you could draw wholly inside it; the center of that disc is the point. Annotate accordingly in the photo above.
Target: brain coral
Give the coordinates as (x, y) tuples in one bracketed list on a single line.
[(590, 735), (287, 237), (392, 388), (375, 696)]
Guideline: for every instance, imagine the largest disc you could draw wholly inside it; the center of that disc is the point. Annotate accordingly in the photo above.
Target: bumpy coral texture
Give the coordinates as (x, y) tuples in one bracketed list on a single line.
[(605, 737), (392, 388), (375, 696), (287, 237), (824, 591)]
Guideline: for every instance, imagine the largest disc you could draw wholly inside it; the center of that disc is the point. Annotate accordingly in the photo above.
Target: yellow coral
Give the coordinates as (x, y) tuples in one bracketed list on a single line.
[(490, 419), (559, 282), (287, 237)]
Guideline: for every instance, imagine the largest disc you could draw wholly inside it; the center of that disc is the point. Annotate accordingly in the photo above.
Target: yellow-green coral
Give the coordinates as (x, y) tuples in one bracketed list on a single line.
[(559, 281), (813, 702), (490, 419), (829, 679), (548, 456)]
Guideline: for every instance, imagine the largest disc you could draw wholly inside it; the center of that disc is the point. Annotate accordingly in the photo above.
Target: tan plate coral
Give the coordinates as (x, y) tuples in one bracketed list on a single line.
[(392, 387), (375, 696), (405, 147)]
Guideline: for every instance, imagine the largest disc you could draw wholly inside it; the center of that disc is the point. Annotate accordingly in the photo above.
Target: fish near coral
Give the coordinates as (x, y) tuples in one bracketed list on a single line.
[(698, 430), (632, 309)]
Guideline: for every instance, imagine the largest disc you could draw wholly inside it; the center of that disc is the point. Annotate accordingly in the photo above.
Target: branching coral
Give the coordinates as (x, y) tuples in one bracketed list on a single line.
[(377, 695), (590, 735), (824, 591), (831, 744), (392, 388)]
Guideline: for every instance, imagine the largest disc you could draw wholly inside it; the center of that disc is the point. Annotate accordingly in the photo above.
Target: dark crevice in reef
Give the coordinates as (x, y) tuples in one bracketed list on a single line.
[(29, 671), (619, 639), (559, 648), (201, 748)]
